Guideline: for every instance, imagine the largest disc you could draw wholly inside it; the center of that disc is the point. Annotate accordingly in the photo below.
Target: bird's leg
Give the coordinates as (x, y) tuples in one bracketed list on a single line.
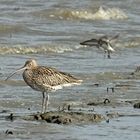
[(105, 54), (46, 101), (43, 102), (108, 54)]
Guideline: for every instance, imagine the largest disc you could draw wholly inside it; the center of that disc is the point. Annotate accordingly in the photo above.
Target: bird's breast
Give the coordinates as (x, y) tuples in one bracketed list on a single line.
[(29, 79)]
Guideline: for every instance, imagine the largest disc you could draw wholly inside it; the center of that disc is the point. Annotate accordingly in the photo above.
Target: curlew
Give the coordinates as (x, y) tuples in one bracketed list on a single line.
[(103, 42), (45, 79)]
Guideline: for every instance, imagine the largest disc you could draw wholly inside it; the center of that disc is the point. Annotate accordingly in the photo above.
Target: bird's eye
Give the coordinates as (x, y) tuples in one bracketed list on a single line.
[(30, 64)]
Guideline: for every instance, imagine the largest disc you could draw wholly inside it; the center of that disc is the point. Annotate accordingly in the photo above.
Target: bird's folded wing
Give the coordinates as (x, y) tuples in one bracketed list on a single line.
[(51, 77)]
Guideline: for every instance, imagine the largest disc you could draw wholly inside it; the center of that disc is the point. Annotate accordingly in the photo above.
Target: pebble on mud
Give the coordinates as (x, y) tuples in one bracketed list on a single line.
[(7, 132), (95, 103), (137, 105), (10, 117)]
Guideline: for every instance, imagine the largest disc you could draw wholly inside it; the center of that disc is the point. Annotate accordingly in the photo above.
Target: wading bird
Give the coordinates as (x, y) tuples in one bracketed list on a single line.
[(103, 42), (45, 79)]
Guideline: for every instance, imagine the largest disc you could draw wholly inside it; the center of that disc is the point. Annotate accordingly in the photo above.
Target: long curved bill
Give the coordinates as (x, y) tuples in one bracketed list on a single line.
[(18, 70)]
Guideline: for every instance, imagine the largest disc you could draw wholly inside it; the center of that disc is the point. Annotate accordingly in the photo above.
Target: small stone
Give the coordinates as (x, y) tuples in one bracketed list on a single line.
[(38, 117), (107, 120), (91, 103), (96, 84), (69, 107), (137, 105), (106, 101), (10, 117), (7, 132)]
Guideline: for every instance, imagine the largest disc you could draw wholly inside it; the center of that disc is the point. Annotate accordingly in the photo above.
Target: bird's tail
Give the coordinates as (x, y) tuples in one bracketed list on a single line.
[(77, 82)]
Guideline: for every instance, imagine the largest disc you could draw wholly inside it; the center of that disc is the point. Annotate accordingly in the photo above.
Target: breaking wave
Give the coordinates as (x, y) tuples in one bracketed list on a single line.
[(131, 44), (40, 49), (101, 14), (56, 48)]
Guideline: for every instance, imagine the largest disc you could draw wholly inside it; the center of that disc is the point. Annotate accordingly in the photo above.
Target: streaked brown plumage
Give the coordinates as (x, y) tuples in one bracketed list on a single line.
[(45, 79)]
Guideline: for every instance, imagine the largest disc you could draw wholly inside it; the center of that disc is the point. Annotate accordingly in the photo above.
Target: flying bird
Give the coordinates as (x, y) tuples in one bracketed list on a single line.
[(103, 42)]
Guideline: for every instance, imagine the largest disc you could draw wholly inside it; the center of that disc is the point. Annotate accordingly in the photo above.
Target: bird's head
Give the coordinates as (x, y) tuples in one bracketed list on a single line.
[(30, 64)]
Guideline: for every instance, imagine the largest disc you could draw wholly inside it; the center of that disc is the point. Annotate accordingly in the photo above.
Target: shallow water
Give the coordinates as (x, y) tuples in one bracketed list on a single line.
[(50, 32)]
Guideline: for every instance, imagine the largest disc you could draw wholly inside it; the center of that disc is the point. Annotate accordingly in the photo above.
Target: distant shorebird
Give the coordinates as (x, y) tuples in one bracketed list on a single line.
[(45, 79), (103, 42)]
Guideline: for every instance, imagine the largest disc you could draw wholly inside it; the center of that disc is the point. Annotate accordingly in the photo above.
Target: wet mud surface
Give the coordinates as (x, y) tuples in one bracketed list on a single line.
[(81, 115), (92, 110)]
